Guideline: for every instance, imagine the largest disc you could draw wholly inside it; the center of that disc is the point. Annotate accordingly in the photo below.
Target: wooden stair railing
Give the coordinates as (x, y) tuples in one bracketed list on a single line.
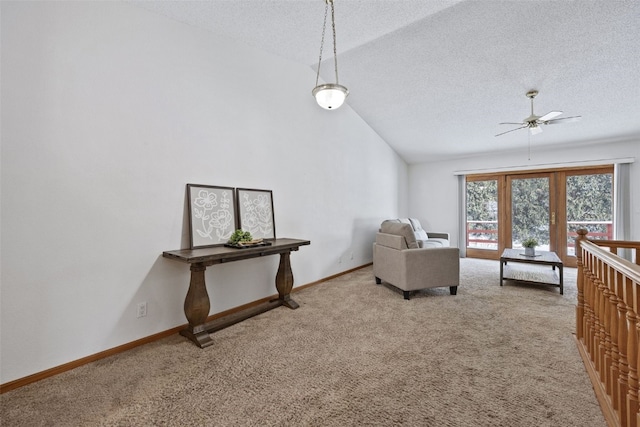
[(608, 325)]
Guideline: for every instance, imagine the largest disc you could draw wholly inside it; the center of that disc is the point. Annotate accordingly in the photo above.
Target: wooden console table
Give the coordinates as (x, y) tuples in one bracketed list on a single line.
[(197, 303)]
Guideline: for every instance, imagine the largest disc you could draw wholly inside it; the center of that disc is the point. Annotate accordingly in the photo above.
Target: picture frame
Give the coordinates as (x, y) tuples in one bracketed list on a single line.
[(255, 212), (212, 215)]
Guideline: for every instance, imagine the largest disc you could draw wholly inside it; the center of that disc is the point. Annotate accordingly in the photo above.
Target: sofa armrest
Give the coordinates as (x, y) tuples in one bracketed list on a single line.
[(432, 266), (435, 235), (391, 241), (430, 255)]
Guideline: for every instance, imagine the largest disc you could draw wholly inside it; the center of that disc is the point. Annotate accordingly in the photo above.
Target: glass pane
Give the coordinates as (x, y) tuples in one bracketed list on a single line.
[(530, 211), (590, 206), (482, 214)]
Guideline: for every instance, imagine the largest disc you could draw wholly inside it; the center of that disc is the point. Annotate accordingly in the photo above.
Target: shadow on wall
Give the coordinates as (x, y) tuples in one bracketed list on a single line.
[(165, 287), (185, 242), (162, 291), (363, 235)]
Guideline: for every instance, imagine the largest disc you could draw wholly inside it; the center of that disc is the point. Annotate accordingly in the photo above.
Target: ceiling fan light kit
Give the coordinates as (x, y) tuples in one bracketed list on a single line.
[(534, 122), (330, 95)]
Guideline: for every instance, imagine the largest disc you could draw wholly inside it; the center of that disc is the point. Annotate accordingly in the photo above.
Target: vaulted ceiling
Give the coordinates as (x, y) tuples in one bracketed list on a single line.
[(435, 78)]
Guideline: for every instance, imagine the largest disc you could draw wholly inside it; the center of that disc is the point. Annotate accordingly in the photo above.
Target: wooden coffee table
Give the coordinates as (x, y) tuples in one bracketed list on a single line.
[(551, 277)]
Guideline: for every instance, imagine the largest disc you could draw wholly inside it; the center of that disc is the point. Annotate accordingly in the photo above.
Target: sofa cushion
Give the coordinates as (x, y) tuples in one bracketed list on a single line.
[(424, 239), (441, 243), (415, 224), (397, 221), (434, 243), (418, 230), (421, 235), (400, 229)]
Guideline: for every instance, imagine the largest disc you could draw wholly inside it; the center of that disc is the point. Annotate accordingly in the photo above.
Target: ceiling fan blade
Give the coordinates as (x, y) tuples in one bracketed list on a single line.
[(535, 130), (521, 127), (563, 120), (550, 115), (511, 123)]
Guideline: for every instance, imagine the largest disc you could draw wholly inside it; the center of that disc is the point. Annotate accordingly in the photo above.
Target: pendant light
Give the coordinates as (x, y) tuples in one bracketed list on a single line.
[(330, 95)]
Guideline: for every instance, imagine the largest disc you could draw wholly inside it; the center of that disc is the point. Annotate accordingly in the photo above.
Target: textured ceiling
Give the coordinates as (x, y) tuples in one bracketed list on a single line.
[(434, 78)]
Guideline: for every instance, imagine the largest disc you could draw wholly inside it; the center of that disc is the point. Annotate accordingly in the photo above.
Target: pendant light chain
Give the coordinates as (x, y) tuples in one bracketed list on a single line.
[(335, 54), (324, 27), (329, 95)]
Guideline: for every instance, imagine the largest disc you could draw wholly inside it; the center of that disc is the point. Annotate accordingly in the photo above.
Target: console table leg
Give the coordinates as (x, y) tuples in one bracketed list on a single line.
[(196, 308), (284, 281)]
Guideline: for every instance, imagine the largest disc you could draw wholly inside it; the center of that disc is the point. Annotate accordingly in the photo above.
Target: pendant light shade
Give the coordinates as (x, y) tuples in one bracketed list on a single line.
[(330, 95)]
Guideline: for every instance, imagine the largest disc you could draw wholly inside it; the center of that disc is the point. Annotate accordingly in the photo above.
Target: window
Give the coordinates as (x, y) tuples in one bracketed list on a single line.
[(504, 209), (482, 214), (589, 206)]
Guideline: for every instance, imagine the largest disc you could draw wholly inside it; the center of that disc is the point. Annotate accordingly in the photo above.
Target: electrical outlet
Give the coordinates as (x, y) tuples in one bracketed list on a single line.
[(142, 309)]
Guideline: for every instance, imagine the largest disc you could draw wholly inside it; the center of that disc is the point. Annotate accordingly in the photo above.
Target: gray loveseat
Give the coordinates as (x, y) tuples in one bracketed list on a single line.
[(424, 239), (399, 260)]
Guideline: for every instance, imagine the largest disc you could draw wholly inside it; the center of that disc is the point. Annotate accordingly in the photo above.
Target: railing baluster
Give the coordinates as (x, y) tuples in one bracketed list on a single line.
[(580, 315), (615, 347), (632, 382), (638, 356), (606, 363), (592, 311), (623, 384), (598, 316)]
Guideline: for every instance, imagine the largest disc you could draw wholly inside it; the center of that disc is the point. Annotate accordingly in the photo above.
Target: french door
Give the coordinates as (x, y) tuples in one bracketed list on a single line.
[(505, 209), (531, 210)]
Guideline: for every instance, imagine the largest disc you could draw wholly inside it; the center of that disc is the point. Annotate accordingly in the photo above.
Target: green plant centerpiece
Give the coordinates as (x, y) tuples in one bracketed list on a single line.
[(529, 246), (242, 238)]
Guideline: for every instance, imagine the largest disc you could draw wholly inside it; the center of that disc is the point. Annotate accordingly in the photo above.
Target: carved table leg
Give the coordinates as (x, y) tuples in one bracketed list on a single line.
[(196, 308), (284, 281)]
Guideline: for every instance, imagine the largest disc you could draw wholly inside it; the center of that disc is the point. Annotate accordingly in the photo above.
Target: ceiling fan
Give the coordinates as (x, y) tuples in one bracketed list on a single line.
[(534, 122)]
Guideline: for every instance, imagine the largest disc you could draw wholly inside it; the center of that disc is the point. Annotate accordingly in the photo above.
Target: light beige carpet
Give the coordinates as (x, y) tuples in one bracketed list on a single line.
[(354, 354)]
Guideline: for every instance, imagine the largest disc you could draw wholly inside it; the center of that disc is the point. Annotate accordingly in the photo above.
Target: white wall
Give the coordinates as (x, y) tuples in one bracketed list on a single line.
[(107, 112), (436, 206)]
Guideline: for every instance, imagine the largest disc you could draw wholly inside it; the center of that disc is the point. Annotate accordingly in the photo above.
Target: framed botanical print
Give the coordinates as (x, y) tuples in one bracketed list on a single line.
[(255, 212), (212, 215)]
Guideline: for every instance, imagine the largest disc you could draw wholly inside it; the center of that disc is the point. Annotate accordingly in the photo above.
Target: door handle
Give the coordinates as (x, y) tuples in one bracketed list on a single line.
[(553, 218)]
